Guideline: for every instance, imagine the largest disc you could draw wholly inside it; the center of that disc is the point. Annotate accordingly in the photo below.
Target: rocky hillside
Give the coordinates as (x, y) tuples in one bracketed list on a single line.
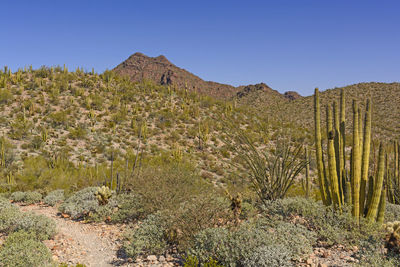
[(160, 70)]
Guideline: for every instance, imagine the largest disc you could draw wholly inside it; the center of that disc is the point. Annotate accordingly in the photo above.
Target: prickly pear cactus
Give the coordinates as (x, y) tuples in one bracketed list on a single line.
[(103, 194), (393, 235)]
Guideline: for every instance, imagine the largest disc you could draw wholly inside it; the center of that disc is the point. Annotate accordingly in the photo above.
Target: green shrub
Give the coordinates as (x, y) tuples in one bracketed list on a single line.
[(28, 197), (120, 208), (5, 96), (147, 239), (164, 185), (10, 216), (5, 195), (81, 203), (21, 249), (272, 255), (42, 226), (236, 248), (130, 208), (32, 197), (17, 196), (392, 212), (12, 219), (54, 197), (201, 212)]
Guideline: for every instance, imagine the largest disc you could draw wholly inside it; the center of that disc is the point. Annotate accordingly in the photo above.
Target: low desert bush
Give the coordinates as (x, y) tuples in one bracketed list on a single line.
[(9, 216), (392, 212), (29, 197), (32, 197), (23, 249), (238, 247), (130, 208), (54, 197), (272, 255), (199, 213), (148, 238), (126, 207), (17, 196), (165, 185), (42, 226), (80, 204), (12, 219)]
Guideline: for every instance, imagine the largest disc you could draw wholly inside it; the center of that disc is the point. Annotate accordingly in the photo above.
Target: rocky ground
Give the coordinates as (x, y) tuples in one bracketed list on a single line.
[(91, 244)]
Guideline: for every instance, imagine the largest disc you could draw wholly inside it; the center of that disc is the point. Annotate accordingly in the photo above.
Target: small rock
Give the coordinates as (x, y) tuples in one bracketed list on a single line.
[(322, 265), (161, 258), (152, 258), (326, 254), (309, 261)]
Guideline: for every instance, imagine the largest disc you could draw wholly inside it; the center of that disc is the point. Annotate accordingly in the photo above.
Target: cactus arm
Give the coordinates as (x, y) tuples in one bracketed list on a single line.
[(370, 192), (382, 206), (373, 207)]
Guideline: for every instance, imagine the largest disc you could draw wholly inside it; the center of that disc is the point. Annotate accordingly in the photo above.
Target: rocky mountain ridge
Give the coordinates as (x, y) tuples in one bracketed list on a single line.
[(160, 70)]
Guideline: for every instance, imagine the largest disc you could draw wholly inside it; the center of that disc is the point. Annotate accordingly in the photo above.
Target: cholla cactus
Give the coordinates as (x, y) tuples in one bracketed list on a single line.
[(393, 235), (103, 194)]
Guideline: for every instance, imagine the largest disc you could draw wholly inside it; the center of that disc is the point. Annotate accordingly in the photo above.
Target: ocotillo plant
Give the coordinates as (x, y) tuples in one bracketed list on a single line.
[(335, 185), (306, 181)]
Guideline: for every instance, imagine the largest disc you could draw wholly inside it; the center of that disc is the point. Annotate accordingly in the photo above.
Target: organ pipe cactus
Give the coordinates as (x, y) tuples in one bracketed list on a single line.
[(333, 177), (337, 187), (318, 151), (306, 181), (378, 183), (356, 164), (381, 209), (365, 155)]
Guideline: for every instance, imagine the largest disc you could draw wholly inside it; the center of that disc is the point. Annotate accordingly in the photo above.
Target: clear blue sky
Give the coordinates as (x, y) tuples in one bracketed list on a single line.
[(290, 45)]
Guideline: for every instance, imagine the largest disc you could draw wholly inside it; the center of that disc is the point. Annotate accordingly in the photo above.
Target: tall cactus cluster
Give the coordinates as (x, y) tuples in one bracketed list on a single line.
[(352, 185)]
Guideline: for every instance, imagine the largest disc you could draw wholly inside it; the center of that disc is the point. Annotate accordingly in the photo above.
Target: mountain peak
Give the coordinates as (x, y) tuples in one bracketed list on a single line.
[(141, 56), (292, 95), (163, 59), (159, 69)]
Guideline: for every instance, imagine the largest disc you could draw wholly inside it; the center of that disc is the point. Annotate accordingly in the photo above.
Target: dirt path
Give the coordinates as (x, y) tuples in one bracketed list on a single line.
[(76, 242)]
